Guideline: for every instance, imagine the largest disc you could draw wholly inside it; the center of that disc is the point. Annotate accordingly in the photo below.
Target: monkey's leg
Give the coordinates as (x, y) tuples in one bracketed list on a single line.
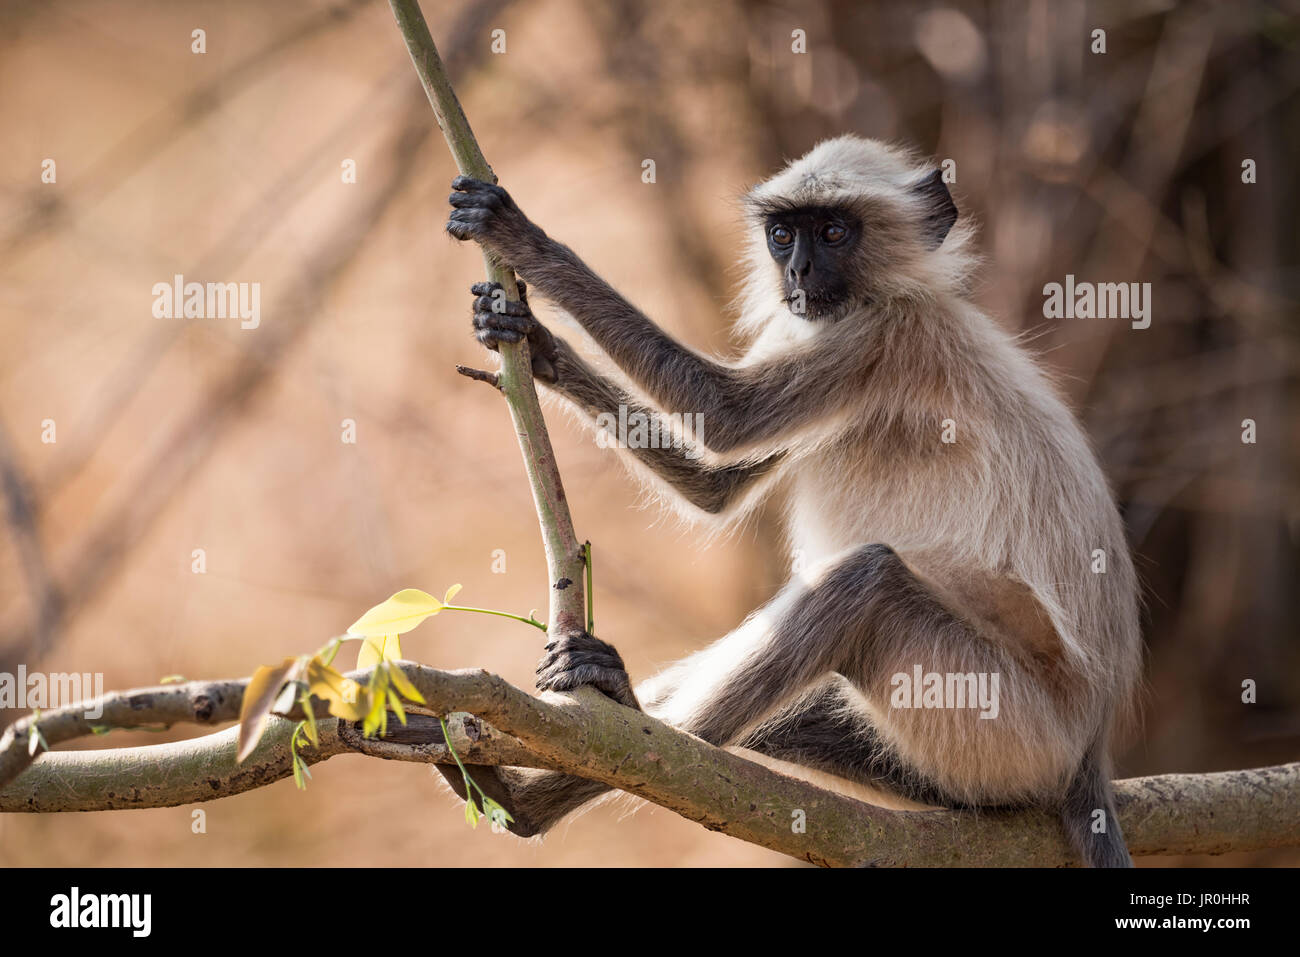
[(724, 691), (827, 730), (871, 619), (537, 799), (1032, 736)]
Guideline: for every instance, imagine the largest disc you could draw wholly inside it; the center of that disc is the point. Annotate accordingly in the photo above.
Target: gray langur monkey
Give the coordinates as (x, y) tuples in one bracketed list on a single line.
[(951, 517)]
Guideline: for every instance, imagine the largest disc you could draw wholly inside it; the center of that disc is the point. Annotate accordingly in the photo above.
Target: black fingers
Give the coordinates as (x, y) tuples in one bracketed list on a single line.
[(467, 184), (489, 326), (483, 212), (500, 305), (496, 319), (473, 192), (579, 659), (468, 223), (488, 288)]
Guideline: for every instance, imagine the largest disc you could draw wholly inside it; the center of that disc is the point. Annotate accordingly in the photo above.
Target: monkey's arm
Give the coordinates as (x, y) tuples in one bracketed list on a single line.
[(742, 406), (558, 366)]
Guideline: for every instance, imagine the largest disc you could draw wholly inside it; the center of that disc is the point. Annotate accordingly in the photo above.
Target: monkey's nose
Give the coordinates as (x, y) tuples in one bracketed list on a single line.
[(798, 269)]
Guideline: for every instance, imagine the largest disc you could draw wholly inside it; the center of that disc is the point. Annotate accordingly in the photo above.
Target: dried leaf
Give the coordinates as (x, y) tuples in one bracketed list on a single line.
[(259, 699)]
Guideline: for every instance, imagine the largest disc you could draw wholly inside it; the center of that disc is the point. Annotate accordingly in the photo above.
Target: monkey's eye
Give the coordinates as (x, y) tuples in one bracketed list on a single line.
[(833, 233), (781, 236)]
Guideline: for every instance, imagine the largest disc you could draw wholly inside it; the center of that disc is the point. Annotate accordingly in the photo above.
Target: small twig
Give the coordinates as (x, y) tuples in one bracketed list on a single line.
[(491, 378), (591, 589)]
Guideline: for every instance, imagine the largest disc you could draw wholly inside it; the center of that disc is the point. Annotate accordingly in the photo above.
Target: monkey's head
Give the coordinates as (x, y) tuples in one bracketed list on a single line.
[(853, 222)]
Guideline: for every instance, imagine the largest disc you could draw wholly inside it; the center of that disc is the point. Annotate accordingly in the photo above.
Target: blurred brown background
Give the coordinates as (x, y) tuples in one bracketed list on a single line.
[(174, 435)]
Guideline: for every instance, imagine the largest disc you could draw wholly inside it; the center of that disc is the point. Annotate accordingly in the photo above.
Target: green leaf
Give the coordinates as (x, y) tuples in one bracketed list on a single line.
[(326, 654), (171, 679), (471, 810), (451, 593), (496, 813), (402, 612), (309, 721)]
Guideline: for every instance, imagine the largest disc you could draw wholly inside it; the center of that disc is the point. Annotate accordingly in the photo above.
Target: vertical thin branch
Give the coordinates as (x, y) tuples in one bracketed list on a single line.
[(564, 557)]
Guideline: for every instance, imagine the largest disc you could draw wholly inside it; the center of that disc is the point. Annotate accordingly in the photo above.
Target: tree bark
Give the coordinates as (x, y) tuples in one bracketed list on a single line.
[(626, 749)]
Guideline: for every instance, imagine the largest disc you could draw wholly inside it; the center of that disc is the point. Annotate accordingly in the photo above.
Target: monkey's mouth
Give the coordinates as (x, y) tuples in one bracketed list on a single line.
[(816, 305)]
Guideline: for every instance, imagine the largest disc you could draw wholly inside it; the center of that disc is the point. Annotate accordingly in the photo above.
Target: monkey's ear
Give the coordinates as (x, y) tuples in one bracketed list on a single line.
[(941, 211)]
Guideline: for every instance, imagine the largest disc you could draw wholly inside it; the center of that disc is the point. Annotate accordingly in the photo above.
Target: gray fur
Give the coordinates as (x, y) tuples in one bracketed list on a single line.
[(970, 557)]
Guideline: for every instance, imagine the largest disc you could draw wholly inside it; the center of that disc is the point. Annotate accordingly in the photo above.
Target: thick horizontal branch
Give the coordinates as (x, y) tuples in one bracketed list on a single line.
[(194, 702), (204, 769), (161, 775), (590, 736)]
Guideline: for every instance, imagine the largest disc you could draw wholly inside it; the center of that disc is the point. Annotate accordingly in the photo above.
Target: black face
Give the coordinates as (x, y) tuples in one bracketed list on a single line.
[(814, 247)]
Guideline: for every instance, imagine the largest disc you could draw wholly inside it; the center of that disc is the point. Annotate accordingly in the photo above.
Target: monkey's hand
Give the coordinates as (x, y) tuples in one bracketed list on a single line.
[(486, 214), (497, 320), (578, 659)]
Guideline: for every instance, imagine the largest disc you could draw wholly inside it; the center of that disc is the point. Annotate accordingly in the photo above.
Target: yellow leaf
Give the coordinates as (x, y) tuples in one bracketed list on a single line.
[(375, 650), (396, 616), (404, 685), (342, 693), (395, 702), (259, 698), (451, 593)]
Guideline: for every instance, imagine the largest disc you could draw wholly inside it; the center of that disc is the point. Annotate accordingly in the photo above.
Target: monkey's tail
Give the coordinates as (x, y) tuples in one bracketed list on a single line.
[(1096, 837)]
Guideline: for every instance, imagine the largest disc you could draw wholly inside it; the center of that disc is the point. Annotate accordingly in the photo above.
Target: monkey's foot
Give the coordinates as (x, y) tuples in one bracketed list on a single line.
[(578, 659), (492, 781)]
